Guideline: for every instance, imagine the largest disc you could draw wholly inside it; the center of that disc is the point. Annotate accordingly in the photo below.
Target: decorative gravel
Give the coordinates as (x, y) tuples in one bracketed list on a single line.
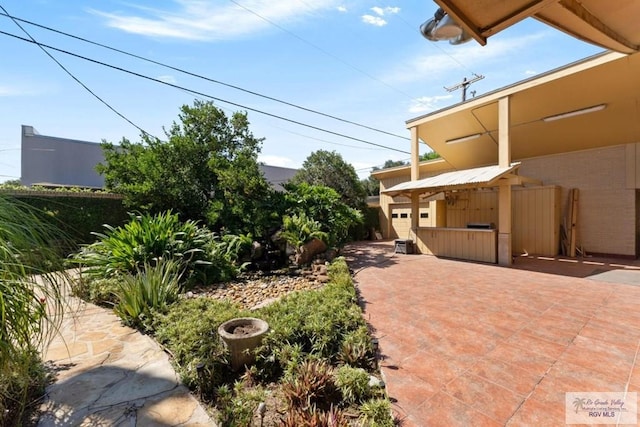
[(256, 291)]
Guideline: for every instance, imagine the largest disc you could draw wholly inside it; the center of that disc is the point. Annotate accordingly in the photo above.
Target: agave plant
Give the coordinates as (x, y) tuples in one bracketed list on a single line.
[(31, 298)]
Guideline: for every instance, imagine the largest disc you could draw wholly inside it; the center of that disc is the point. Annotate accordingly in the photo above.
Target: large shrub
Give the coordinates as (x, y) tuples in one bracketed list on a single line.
[(324, 205), (200, 254)]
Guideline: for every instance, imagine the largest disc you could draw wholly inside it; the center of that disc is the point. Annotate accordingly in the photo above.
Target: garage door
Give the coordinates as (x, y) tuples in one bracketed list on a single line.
[(401, 220)]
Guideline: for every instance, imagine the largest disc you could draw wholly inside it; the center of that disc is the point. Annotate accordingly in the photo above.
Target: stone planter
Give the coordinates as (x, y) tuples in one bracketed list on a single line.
[(242, 336)]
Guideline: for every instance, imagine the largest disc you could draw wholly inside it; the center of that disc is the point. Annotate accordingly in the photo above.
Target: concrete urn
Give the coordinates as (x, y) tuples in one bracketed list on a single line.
[(241, 337)]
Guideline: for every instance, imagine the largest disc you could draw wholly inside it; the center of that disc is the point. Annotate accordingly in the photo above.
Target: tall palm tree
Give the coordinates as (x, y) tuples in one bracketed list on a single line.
[(31, 298)]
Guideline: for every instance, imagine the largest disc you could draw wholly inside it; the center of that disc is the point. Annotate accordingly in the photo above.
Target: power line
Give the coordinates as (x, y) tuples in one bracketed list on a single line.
[(189, 73), (322, 50), (74, 77), (202, 93)]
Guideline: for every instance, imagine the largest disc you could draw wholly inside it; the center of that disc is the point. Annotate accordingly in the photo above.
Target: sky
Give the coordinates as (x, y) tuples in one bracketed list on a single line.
[(359, 61)]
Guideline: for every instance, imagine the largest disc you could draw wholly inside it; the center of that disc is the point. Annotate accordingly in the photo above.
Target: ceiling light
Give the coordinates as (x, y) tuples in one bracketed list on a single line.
[(463, 138), (575, 113), (443, 27)]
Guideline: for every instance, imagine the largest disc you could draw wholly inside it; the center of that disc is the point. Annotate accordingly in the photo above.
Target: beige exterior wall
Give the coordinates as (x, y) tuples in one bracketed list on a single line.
[(606, 221), (608, 217)]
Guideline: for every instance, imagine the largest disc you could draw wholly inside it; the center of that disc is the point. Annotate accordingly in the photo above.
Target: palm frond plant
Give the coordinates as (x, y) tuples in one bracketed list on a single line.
[(31, 300), (297, 230)]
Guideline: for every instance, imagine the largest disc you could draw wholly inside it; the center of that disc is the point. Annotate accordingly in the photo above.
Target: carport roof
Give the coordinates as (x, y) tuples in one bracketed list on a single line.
[(488, 176), (466, 134)]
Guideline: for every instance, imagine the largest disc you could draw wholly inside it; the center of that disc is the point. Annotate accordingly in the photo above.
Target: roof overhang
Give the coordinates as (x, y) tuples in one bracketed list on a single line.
[(483, 177), (605, 87), (611, 24)]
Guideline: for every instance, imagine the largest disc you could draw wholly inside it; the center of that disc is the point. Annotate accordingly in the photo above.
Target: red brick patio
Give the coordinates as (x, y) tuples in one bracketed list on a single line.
[(467, 344)]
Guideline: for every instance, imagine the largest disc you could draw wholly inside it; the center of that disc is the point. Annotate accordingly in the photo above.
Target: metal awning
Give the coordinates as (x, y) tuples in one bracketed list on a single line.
[(488, 176)]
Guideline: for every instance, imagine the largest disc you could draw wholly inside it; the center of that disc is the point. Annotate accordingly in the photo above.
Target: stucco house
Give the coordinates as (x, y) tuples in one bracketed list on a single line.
[(55, 161), (510, 160)]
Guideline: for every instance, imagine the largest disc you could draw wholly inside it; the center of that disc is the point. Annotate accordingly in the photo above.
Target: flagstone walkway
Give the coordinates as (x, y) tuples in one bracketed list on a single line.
[(111, 375)]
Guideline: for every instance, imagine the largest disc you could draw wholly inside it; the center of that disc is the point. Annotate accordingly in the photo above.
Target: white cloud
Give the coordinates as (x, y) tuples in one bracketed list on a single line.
[(342, 9), (203, 20), (530, 73), (374, 20), (167, 79), (381, 11), (16, 91), (427, 103), (275, 160)]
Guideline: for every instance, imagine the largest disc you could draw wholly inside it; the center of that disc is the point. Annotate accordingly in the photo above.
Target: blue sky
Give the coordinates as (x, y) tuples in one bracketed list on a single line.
[(362, 61)]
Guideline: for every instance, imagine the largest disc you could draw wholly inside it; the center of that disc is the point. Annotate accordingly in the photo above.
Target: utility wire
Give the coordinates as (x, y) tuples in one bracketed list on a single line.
[(189, 73), (201, 93), (322, 50), (42, 47)]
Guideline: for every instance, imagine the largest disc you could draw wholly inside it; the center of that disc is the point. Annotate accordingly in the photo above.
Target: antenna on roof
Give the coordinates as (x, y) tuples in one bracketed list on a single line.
[(464, 85)]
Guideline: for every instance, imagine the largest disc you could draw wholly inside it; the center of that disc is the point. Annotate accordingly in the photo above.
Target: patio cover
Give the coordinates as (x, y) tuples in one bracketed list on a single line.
[(483, 177), (612, 24)]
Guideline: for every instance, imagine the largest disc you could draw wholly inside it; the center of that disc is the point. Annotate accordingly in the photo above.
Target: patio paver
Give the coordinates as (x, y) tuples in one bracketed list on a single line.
[(465, 344)]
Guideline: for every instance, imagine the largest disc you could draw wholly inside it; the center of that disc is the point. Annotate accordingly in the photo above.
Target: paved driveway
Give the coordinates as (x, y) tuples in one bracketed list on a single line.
[(466, 344)]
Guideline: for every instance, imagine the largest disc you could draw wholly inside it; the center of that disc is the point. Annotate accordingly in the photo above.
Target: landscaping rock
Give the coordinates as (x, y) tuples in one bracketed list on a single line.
[(309, 251), (258, 291)]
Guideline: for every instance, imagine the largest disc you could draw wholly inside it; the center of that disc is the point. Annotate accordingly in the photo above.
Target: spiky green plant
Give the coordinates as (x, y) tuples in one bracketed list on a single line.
[(151, 290), (31, 298), (147, 238)]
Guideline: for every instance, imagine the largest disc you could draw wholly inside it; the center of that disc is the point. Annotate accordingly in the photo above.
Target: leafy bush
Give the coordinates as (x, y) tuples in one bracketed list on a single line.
[(189, 331), (323, 204), (21, 385), (300, 229), (98, 291), (376, 413), (353, 384), (151, 290), (145, 239), (311, 324), (236, 407)]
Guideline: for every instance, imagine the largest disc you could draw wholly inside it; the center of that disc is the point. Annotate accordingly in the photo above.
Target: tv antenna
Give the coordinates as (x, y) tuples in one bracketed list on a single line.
[(464, 85)]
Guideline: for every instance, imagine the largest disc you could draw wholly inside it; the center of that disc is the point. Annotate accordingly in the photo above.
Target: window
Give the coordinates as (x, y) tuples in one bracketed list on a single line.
[(424, 214), (404, 215), (394, 215)]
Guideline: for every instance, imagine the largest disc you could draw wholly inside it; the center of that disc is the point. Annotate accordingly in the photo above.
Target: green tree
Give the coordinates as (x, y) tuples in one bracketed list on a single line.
[(206, 170), (324, 205), (329, 169)]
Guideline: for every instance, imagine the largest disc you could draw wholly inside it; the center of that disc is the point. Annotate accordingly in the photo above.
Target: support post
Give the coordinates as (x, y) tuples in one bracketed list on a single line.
[(415, 175), (504, 193)]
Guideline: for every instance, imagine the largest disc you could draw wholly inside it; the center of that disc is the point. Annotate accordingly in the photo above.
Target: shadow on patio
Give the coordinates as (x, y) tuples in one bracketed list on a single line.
[(473, 344)]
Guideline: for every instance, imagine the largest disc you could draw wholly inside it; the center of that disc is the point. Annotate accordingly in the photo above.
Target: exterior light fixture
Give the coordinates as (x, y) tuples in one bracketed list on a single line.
[(463, 138), (575, 113), (443, 27)]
